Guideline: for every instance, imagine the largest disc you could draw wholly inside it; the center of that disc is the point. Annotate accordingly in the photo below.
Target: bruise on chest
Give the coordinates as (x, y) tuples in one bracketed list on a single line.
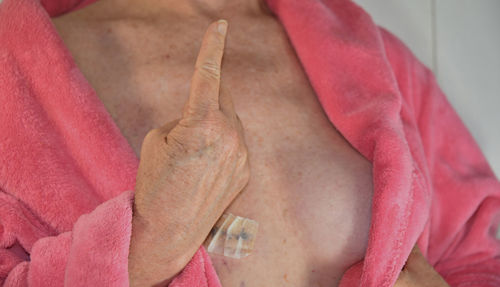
[(309, 189)]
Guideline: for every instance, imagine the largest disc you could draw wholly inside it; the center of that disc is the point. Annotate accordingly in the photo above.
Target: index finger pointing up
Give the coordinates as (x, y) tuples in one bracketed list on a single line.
[(205, 83)]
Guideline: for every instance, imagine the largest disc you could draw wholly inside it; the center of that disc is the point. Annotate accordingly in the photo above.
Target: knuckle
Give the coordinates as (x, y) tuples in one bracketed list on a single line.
[(243, 157), (213, 136), (174, 141), (221, 135), (215, 130), (209, 129), (231, 137), (243, 153), (209, 69), (153, 135)]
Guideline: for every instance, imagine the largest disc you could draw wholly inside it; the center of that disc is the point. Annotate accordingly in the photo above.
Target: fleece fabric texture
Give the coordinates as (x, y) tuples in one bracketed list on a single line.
[(67, 173)]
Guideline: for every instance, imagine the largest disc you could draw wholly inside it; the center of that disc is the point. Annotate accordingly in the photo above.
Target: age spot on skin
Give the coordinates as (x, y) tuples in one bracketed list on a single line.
[(242, 284), (226, 265), (285, 277)]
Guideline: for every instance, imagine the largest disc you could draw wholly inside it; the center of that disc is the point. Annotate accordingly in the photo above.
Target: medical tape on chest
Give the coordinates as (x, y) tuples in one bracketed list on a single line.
[(232, 236)]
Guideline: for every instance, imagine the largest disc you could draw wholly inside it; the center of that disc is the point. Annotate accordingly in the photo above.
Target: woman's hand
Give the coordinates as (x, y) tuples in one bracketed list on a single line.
[(417, 272), (191, 169)]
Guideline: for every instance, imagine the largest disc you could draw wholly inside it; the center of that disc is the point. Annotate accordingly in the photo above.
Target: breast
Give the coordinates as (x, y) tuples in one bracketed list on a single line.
[(309, 190)]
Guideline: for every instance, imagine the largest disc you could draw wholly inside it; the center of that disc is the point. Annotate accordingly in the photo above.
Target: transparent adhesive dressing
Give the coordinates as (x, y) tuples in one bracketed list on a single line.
[(232, 236)]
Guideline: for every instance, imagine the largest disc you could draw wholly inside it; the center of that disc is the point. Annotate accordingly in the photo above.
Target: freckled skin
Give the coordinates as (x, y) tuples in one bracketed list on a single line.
[(308, 187)]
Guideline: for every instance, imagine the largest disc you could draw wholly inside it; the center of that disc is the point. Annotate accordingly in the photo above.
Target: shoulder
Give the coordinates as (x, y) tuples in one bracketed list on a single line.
[(415, 80), (401, 58)]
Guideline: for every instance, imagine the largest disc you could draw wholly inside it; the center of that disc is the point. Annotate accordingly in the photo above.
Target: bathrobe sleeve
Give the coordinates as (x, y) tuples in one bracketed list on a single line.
[(94, 253), (465, 208)]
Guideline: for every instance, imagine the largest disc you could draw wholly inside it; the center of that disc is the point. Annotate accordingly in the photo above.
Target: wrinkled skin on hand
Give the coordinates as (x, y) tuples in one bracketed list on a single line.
[(191, 169), (417, 272)]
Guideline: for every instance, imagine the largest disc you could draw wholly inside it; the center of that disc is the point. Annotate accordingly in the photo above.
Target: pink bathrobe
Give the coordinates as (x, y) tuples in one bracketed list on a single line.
[(67, 173)]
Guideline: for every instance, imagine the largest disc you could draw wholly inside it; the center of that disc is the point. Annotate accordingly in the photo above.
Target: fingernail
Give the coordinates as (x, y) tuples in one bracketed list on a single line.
[(222, 26)]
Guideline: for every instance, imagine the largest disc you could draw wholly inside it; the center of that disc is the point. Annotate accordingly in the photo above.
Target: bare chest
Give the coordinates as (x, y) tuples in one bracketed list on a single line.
[(309, 189)]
